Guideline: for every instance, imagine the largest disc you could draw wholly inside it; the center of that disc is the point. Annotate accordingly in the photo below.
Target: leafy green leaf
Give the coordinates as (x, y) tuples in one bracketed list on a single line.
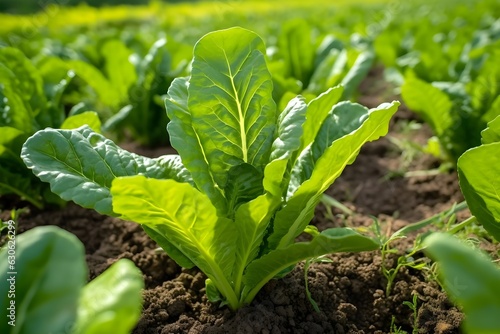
[(15, 178), (297, 49), (317, 110), (291, 220), (81, 164), (23, 79), (185, 139), (289, 131), (479, 176), (147, 119), (230, 100), (251, 221), (45, 299), (107, 93), (89, 118), (357, 73), (187, 217), (470, 279), (329, 72), (172, 251), (329, 241), (492, 133), (111, 302), (429, 102), (119, 69), (287, 142), (13, 111), (344, 118)]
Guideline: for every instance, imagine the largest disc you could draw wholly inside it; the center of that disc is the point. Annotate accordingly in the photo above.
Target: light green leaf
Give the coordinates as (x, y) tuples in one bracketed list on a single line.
[(299, 210), (297, 49), (13, 112), (479, 176), (429, 102), (492, 133), (230, 100), (251, 221), (357, 73), (260, 271), (107, 93), (23, 78), (172, 251), (289, 131), (317, 110), (185, 139), (187, 217), (81, 164), (15, 178), (50, 273), (470, 279), (111, 303), (119, 69), (344, 118), (56, 78), (329, 72), (89, 118)]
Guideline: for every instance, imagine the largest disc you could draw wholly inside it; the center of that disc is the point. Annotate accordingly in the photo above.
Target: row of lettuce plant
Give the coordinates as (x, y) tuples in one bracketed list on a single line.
[(447, 70), (124, 78)]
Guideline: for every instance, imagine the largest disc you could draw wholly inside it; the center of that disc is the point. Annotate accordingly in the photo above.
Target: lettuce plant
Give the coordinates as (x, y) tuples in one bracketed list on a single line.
[(469, 277), (30, 100), (479, 172), (457, 112), (307, 65), (49, 291), (247, 178)]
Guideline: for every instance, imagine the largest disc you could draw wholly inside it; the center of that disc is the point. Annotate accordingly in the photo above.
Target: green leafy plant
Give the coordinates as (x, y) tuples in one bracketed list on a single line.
[(413, 305), (30, 100), (456, 112), (309, 65), (247, 178), (479, 174), (468, 276), (470, 279), (44, 289), (128, 87)]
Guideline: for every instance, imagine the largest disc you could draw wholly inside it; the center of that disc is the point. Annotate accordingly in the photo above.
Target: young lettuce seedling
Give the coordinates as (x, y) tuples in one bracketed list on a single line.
[(247, 178)]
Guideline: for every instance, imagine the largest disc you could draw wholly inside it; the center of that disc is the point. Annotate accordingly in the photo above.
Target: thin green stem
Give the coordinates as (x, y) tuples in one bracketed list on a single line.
[(462, 225), (434, 219), (330, 201)]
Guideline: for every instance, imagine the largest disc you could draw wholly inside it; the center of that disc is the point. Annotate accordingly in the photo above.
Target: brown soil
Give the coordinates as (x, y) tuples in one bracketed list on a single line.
[(350, 291)]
